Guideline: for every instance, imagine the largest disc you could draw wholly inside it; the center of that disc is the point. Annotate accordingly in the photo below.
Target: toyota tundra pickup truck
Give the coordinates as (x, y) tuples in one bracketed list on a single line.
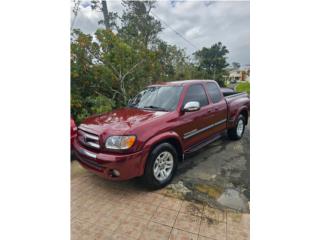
[(158, 129)]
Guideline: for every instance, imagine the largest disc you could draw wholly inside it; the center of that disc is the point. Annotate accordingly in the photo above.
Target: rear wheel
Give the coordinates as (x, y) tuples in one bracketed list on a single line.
[(161, 166), (237, 132)]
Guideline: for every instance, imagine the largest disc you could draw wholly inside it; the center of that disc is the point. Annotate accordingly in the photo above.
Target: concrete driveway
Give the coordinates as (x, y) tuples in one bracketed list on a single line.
[(208, 199)]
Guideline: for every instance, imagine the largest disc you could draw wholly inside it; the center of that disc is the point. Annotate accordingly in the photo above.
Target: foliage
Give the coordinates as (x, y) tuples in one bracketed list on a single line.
[(243, 87), (138, 26), (90, 105), (99, 104), (114, 64), (171, 62), (213, 62)]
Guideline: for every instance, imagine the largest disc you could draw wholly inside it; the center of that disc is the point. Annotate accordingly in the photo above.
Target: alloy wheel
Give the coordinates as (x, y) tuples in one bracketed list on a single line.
[(163, 166), (240, 128)]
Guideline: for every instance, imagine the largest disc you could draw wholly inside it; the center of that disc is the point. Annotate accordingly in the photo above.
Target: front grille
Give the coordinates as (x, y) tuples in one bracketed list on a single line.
[(88, 139)]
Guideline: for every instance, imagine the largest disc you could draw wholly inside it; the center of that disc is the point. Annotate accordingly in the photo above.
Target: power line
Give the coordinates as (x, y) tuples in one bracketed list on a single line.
[(176, 32), (77, 6)]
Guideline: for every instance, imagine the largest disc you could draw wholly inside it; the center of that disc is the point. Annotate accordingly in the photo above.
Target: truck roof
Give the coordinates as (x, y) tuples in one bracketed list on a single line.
[(181, 82)]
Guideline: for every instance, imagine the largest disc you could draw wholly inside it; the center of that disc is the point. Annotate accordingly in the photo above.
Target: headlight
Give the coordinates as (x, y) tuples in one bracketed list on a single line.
[(120, 142)]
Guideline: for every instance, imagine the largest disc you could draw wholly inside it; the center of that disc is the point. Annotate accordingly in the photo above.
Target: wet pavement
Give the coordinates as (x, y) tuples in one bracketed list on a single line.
[(218, 175)]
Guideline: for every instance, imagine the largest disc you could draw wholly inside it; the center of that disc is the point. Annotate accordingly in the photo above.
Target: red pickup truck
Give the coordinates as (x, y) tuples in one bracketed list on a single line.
[(160, 126)]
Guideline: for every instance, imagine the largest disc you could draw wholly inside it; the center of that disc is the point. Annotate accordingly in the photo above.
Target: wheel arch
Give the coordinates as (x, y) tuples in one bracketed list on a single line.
[(171, 137), (175, 143), (245, 113)]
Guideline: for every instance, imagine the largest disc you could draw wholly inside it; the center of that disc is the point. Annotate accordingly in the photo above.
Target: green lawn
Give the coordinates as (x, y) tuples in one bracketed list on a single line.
[(243, 87)]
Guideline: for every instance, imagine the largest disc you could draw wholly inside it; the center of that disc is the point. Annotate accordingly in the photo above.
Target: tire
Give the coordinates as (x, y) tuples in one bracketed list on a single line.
[(160, 158), (236, 133), (72, 155)]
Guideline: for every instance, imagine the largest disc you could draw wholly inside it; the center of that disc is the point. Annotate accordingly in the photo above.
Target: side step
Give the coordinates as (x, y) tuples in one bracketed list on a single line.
[(203, 144)]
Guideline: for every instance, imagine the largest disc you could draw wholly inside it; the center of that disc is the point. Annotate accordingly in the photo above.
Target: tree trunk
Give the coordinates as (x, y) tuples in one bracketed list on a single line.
[(105, 14), (123, 90)]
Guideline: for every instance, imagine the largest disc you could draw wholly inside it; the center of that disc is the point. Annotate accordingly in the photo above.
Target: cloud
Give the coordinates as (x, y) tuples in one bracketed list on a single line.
[(203, 23)]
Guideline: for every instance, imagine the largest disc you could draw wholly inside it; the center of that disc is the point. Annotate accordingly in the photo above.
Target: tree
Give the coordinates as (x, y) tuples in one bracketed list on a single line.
[(105, 14), (213, 61), (89, 92), (236, 65), (138, 26), (109, 18), (126, 64), (112, 66), (75, 10)]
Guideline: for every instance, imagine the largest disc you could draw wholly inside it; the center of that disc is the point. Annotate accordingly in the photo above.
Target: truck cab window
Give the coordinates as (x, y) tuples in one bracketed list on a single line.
[(214, 92), (196, 93)]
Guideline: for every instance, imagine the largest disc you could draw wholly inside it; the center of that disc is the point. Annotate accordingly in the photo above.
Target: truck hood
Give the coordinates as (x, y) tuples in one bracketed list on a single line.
[(119, 121)]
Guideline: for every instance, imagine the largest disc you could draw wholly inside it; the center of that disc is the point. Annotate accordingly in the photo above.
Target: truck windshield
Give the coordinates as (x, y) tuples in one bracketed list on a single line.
[(158, 98)]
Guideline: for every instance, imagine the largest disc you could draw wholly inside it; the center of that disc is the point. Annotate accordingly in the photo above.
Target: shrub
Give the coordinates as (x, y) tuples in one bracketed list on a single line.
[(99, 104), (83, 108), (243, 87)]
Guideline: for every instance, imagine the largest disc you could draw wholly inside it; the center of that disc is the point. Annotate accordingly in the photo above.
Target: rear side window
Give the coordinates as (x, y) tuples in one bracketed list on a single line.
[(196, 93), (214, 92)]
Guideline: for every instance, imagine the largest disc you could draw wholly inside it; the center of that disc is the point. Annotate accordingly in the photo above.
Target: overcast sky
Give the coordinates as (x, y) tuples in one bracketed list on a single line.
[(202, 23)]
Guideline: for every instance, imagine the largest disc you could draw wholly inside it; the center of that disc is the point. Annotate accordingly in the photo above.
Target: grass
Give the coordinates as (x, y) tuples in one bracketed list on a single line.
[(243, 87)]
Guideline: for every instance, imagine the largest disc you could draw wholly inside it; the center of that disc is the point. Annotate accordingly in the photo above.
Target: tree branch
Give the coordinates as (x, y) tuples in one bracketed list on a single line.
[(131, 69), (115, 72)]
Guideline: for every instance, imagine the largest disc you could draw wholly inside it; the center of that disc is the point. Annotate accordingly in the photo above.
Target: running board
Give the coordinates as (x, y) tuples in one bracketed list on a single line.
[(203, 144)]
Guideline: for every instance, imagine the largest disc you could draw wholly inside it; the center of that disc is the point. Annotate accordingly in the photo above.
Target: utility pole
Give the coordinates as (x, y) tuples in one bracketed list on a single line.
[(105, 14)]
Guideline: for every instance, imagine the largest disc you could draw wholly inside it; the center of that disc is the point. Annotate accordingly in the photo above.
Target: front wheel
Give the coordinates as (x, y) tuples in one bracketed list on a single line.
[(161, 166), (237, 132)]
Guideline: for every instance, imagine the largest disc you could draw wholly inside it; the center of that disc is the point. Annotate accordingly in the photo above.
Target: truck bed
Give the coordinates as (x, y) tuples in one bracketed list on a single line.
[(235, 95), (235, 101)]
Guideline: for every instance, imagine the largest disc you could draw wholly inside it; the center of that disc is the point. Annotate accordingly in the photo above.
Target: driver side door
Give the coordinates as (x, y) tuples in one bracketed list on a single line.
[(193, 125)]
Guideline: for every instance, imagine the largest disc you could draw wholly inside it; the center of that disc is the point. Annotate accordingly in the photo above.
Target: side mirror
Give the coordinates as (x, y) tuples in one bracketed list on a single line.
[(191, 106)]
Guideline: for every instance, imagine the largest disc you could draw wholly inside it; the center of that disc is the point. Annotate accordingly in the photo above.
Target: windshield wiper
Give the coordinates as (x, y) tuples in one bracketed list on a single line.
[(155, 107)]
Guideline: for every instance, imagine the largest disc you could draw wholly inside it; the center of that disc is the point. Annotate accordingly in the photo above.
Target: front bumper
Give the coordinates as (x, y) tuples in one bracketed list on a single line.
[(102, 164)]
